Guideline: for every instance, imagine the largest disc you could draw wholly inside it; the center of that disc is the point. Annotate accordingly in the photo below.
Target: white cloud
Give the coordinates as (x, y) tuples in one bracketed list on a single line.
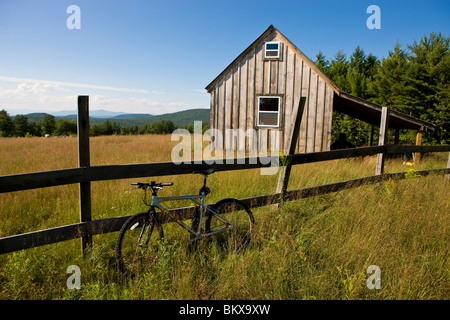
[(46, 96), (70, 84)]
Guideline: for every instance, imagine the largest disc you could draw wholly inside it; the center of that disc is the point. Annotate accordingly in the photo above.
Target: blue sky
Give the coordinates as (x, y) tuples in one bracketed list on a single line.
[(157, 56)]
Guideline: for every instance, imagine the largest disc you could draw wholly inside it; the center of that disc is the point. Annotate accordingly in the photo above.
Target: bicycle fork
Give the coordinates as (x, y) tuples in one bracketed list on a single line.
[(152, 215)]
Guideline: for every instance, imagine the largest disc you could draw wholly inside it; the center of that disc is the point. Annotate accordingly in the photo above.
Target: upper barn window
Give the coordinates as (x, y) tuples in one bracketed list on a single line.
[(272, 50)]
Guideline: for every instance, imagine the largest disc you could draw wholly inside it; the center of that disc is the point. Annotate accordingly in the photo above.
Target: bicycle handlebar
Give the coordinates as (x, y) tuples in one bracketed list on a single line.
[(152, 185)]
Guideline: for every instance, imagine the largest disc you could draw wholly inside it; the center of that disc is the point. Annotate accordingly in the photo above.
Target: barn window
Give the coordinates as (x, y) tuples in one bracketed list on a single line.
[(268, 111), (272, 50)]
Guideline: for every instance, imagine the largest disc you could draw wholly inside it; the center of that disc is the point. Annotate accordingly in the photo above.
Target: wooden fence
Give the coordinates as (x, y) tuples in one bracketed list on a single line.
[(85, 174)]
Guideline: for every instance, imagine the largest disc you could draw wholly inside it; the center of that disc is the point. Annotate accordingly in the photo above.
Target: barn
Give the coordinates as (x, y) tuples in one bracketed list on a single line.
[(257, 92)]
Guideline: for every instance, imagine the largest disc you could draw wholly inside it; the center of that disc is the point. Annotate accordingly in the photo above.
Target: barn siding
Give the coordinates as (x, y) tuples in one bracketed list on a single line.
[(234, 98)]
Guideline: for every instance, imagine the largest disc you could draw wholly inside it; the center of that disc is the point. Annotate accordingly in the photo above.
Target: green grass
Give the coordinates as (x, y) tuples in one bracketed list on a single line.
[(314, 248)]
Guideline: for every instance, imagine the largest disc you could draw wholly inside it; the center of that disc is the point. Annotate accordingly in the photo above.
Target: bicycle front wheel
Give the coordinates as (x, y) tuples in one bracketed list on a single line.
[(239, 223), (136, 237)]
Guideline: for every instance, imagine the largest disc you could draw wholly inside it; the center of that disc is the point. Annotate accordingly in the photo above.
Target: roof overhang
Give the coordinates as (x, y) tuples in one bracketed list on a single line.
[(371, 113)]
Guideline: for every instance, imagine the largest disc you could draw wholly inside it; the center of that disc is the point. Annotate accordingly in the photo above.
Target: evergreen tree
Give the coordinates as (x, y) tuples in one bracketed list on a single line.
[(65, 127), (322, 62), (391, 86), (47, 124), (20, 125), (6, 124), (429, 69), (338, 71)]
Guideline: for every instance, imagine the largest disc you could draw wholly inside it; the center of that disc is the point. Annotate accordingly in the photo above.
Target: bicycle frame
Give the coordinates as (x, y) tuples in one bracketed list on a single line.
[(198, 200)]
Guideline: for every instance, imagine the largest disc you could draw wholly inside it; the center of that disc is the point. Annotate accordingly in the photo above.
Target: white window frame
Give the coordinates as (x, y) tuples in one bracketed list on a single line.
[(272, 50), (273, 112)]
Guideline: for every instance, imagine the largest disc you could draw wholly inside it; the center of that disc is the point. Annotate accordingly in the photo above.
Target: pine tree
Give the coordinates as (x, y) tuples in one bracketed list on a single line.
[(6, 124), (391, 86), (338, 71), (20, 125), (429, 69), (322, 62)]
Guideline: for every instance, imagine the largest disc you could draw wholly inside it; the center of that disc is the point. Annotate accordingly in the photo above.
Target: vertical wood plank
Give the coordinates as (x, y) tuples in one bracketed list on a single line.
[(312, 105), (305, 93), (274, 77), (236, 108), (281, 89), (382, 140), (263, 142), (259, 70), (298, 80), (84, 161), (251, 98), (266, 78), (243, 106), (212, 115), (320, 115), (228, 109), (289, 91), (221, 114), (328, 118)]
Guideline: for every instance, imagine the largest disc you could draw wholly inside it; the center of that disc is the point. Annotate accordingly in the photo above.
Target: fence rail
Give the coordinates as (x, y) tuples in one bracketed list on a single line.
[(43, 179), (85, 174), (98, 173)]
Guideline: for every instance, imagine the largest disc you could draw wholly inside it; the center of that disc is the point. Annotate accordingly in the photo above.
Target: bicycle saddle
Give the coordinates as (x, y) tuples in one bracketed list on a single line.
[(205, 172)]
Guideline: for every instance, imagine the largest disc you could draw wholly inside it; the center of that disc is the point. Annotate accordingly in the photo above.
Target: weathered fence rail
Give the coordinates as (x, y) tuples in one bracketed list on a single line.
[(43, 179), (85, 174), (98, 173)]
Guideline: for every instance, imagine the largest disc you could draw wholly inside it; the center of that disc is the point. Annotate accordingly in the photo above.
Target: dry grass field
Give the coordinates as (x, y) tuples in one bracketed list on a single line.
[(314, 248)]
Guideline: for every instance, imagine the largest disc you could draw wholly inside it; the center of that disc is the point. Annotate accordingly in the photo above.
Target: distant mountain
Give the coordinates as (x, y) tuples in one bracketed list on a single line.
[(132, 116), (93, 113), (181, 118)]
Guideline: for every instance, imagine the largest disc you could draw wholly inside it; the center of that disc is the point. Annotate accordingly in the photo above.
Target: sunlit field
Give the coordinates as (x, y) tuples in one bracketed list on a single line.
[(314, 248)]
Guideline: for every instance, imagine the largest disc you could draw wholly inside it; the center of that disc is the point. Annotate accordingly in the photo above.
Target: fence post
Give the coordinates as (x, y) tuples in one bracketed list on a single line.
[(289, 148), (382, 140), (417, 155), (84, 161)]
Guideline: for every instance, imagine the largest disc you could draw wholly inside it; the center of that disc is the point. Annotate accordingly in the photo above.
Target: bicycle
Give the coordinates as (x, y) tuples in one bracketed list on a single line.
[(229, 217)]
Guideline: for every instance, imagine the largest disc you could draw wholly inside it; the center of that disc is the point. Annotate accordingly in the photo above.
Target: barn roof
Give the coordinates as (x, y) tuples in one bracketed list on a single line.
[(343, 102)]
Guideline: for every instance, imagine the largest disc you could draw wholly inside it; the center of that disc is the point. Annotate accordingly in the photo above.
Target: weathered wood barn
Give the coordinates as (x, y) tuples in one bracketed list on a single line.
[(258, 90)]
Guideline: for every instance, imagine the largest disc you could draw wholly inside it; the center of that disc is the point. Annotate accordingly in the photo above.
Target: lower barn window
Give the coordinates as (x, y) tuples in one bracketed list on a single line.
[(268, 111)]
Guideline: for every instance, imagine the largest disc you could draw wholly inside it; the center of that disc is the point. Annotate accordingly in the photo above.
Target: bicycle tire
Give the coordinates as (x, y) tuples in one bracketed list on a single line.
[(136, 235), (240, 215)]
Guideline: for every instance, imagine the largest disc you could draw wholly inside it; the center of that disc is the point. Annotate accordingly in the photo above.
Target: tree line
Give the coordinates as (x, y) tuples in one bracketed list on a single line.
[(20, 126), (414, 80)]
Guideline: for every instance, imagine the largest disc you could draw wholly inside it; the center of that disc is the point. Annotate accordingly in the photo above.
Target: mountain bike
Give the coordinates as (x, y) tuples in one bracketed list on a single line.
[(230, 221)]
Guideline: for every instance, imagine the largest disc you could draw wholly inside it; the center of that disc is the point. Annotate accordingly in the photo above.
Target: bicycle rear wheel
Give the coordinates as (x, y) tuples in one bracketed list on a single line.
[(241, 218), (136, 237)]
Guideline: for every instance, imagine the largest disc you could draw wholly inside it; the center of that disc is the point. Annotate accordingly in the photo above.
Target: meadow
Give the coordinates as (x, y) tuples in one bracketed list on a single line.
[(314, 248)]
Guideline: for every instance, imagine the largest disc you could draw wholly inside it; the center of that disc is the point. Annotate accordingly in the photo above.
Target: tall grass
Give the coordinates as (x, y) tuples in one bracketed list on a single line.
[(314, 248)]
